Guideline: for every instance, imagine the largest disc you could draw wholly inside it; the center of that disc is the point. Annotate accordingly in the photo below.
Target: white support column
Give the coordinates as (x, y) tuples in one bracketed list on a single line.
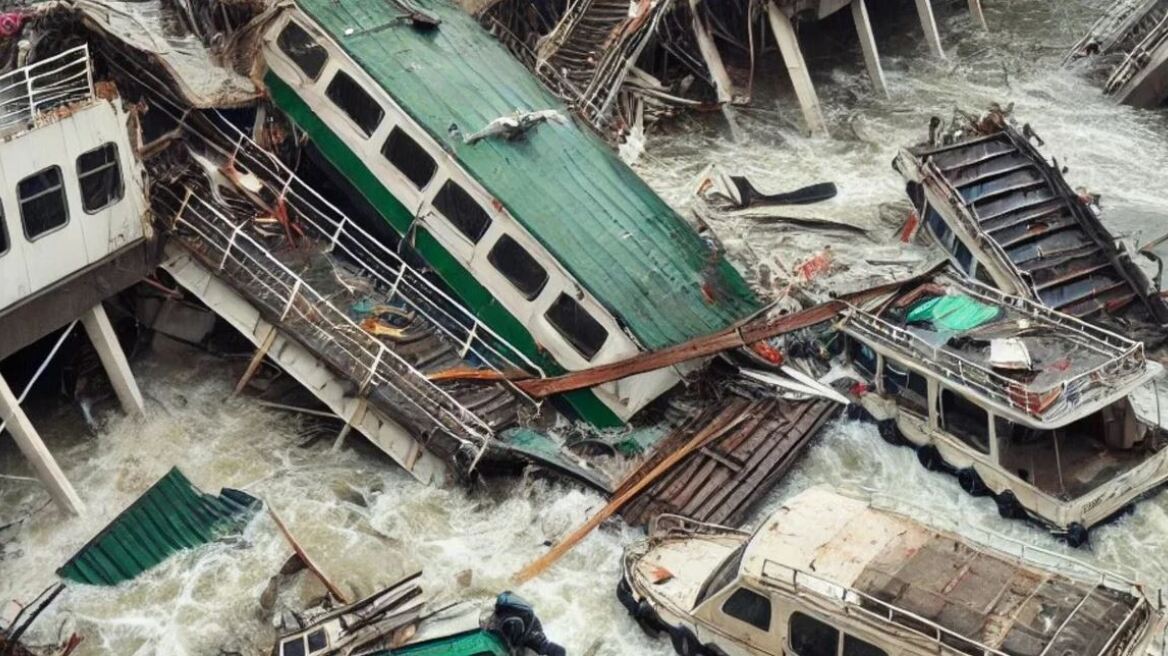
[(101, 333), (793, 57), (868, 45), (722, 84), (33, 448), (978, 14), (929, 25)]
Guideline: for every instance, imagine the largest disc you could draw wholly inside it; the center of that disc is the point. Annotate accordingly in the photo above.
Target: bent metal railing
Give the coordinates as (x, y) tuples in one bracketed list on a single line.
[(27, 92), (232, 253)]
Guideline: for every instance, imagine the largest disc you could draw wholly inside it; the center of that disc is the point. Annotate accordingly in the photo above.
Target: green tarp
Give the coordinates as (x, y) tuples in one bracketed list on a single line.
[(473, 643), (172, 515), (953, 314), (569, 190)]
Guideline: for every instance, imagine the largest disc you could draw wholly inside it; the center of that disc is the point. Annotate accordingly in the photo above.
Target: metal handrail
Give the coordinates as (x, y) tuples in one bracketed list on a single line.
[(49, 83), (1131, 64), (378, 364)]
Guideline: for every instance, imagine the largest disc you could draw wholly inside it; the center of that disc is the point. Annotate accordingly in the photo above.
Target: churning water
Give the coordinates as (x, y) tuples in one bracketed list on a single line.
[(367, 522)]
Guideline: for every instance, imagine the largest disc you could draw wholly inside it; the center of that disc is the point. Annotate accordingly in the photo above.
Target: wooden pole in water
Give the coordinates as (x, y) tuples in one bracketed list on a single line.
[(868, 46), (256, 359), (304, 557), (978, 14), (726, 420)]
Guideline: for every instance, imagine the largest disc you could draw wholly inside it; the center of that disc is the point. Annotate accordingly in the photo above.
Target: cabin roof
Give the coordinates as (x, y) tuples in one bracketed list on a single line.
[(976, 593), (1031, 363), (561, 182)]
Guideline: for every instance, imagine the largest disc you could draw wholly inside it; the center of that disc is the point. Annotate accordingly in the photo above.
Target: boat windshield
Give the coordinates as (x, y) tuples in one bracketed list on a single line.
[(723, 575)]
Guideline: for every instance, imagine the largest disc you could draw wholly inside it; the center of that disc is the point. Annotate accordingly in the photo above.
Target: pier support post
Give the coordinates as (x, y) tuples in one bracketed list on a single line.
[(868, 45), (797, 68), (978, 14), (33, 448), (105, 341), (929, 25), (722, 84)]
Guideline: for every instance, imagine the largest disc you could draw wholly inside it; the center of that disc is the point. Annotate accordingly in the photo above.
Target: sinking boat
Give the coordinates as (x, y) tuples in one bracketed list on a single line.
[(1007, 217), (1019, 401), (1128, 50), (829, 574)]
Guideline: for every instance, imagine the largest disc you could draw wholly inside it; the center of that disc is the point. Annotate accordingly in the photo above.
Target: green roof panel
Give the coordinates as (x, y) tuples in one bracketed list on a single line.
[(565, 185)]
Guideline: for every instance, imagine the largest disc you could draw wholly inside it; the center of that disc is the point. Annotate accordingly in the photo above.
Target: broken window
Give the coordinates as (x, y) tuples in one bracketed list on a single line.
[(293, 647), (409, 157), (576, 325), (964, 420), (100, 178), (810, 637), (42, 202), (518, 266), (317, 641), (308, 55), (857, 647), (748, 606), (462, 211), (358, 105), (910, 387)]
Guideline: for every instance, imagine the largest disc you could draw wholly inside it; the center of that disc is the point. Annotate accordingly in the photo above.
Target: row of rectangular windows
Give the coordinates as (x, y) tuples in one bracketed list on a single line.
[(41, 196), (507, 256), (808, 636)]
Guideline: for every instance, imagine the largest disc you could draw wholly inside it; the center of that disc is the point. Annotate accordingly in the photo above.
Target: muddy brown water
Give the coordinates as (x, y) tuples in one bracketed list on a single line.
[(367, 521)]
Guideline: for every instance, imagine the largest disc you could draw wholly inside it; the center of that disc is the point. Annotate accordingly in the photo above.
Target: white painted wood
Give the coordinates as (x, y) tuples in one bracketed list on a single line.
[(625, 397), (868, 46), (929, 25), (722, 84), (105, 341), (978, 14), (797, 68), (300, 363), (18, 425)]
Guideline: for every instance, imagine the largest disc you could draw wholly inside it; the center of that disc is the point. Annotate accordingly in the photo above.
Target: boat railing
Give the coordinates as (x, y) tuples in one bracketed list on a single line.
[(28, 92), (233, 253), (797, 581), (1136, 58), (1043, 405)]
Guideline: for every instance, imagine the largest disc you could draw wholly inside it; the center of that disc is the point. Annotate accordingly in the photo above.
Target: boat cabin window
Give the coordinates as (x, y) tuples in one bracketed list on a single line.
[(293, 647), (410, 158), (100, 178), (746, 605), (856, 647), (518, 266), (863, 357), (810, 637), (964, 420), (42, 202), (722, 576), (308, 55), (910, 388), (317, 641), (462, 211), (576, 325), (355, 102)]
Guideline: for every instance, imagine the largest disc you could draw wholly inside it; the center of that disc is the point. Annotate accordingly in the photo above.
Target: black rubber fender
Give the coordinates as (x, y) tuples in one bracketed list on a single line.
[(1009, 507), (685, 642), (971, 482), (1077, 536), (890, 433), (930, 458)]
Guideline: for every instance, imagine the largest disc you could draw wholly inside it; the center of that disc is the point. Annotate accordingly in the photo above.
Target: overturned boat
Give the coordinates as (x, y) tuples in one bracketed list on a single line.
[(1008, 218), (1019, 401), (830, 574)]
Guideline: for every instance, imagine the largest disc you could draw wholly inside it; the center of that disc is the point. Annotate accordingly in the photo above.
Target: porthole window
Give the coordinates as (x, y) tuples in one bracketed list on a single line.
[(355, 102), (100, 178), (409, 157), (518, 266), (43, 207), (462, 211), (308, 55), (746, 605), (576, 325)]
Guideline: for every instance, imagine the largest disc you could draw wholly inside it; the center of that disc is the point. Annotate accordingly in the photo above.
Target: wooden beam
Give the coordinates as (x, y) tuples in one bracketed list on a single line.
[(256, 360), (978, 14), (305, 558), (868, 46), (113, 359), (38, 454), (722, 84), (784, 33), (728, 419), (929, 25)]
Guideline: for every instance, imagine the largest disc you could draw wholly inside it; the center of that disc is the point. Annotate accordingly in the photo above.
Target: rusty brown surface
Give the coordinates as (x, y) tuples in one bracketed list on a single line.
[(721, 482)]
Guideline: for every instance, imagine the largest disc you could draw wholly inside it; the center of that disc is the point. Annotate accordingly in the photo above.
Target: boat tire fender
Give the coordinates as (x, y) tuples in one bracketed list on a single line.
[(685, 642), (857, 412), (1077, 535), (1009, 507), (971, 482), (890, 433), (930, 458)]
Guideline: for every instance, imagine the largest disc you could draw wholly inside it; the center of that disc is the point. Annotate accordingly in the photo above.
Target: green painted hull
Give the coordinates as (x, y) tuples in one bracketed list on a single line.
[(472, 643)]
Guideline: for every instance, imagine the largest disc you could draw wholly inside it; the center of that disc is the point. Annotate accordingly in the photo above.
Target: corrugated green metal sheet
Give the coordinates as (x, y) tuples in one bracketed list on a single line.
[(616, 236), (473, 643), (172, 515)]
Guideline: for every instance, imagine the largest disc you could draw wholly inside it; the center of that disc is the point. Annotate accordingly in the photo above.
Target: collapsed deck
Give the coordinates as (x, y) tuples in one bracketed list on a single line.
[(1003, 214), (1130, 44)]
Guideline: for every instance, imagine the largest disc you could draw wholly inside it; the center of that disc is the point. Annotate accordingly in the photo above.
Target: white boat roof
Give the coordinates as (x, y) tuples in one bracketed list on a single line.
[(936, 582)]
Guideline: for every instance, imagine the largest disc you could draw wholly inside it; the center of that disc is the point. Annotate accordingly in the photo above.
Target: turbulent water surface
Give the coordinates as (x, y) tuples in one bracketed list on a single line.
[(367, 522)]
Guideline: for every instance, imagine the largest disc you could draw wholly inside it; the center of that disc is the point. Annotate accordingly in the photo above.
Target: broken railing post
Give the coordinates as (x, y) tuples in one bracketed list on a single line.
[(929, 25), (797, 68), (868, 46), (38, 454), (722, 84), (105, 341)]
